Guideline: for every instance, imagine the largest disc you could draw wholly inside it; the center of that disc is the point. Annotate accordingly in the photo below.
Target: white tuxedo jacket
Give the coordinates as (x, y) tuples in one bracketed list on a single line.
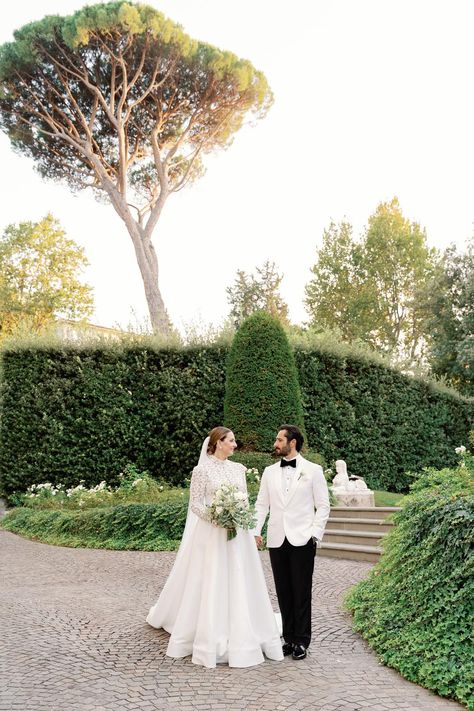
[(298, 515)]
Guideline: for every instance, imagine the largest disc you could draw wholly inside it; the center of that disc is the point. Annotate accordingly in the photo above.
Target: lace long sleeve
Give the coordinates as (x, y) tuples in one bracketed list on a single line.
[(197, 492), (244, 481)]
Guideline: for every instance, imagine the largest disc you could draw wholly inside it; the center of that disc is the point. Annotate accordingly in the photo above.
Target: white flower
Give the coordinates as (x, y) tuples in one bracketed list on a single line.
[(219, 509), (136, 482), (161, 488), (257, 478), (460, 450), (240, 496)]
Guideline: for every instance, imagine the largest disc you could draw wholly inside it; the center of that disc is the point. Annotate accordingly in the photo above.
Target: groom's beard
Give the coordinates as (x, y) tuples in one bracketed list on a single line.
[(282, 451)]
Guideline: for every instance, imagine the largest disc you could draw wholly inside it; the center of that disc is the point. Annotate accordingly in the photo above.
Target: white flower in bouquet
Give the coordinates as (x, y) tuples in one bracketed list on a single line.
[(230, 509)]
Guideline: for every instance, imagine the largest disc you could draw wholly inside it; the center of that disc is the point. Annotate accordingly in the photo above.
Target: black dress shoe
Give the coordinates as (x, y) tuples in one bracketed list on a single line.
[(299, 652), (287, 649)]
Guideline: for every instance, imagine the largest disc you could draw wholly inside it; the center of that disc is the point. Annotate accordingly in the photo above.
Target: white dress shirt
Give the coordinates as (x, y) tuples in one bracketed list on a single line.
[(287, 476)]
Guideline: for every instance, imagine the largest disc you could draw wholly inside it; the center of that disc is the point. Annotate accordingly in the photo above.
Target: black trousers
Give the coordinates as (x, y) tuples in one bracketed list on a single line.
[(293, 573)]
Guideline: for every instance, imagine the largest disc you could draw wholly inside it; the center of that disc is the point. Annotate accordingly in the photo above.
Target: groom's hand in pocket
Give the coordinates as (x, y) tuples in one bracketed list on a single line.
[(259, 541)]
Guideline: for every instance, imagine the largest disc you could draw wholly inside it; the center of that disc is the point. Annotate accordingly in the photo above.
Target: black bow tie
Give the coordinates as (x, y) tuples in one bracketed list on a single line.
[(288, 463)]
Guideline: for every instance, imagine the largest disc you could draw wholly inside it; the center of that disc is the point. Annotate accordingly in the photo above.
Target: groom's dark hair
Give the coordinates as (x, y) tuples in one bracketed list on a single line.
[(293, 432)]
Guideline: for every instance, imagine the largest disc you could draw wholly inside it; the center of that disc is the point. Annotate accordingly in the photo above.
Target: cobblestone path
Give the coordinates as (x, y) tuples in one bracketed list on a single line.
[(74, 637)]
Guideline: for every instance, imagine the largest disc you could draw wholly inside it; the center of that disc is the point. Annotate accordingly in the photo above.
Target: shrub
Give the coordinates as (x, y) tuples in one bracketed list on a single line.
[(384, 424), (262, 389), (415, 608), (72, 414), (135, 526), (84, 414), (135, 487)]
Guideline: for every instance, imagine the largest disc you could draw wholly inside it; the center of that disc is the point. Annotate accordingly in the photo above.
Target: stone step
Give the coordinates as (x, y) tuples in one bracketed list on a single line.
[(350, 551), (377, 512), (364, 538), (380, 525)]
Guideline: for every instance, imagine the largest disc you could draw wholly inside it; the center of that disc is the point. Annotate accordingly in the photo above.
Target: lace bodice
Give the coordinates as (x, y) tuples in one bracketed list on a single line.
[(207, 478)]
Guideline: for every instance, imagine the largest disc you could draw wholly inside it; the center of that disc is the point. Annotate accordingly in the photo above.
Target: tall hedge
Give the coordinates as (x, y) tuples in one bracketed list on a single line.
[(384, 424), (77, 414), (262, 389), (84, 413)]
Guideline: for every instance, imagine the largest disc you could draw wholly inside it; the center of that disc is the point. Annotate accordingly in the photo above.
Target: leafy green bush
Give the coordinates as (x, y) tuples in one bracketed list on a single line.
[(140, 514), (416, 607), (262, 389), (135, 487), (84, 414), (384, 424), (70, 414), (140, 526)]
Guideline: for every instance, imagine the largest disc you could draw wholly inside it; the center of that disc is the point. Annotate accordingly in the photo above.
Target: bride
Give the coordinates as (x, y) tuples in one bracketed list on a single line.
[(215, 603)]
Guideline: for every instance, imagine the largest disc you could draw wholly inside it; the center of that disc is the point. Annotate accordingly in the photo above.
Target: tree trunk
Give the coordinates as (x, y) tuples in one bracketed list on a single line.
[(148, 264), (144, 251)]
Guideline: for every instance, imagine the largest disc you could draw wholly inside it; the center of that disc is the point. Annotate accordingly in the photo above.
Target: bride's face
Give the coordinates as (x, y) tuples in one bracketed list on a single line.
[(227, 445)]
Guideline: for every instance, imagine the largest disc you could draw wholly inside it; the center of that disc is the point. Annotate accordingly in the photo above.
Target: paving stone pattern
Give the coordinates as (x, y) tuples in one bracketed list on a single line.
[(74, 638)]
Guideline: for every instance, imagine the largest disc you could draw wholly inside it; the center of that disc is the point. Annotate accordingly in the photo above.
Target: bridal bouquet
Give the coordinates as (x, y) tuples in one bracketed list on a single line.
[(230, 509)]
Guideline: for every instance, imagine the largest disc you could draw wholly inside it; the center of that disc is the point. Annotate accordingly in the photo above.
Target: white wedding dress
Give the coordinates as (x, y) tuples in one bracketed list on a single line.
[(215, 603)]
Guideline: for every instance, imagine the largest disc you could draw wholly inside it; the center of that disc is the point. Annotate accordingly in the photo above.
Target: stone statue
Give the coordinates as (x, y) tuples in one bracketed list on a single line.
[(341, 480), (350, 490)]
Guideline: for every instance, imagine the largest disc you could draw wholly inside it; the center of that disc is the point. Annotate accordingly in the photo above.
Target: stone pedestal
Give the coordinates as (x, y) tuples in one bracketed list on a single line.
[(361, 497), (350, 491)]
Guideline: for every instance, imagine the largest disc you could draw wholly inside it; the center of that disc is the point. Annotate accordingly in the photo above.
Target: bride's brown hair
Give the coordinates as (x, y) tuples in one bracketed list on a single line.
[(216, 435)]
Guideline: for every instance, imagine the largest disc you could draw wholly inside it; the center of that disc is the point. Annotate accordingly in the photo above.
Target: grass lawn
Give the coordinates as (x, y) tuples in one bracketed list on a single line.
[(387, 498)]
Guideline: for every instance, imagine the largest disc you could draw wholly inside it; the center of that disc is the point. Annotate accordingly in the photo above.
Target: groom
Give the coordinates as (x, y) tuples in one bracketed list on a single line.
[(296, 493)]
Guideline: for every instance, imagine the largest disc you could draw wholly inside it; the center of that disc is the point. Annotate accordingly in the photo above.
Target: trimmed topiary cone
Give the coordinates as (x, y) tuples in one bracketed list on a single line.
[(262, 388)]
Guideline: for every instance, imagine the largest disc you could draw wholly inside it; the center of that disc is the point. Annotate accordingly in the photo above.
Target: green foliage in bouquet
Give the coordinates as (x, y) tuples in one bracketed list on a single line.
[(262, 389), (416, 607), (230, 509)]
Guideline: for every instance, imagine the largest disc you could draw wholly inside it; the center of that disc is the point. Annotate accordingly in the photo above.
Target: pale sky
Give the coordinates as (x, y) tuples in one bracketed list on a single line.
[(373, 98)]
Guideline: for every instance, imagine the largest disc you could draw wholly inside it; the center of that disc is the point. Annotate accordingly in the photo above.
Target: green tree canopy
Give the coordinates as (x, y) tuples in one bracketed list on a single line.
[(448, 303), (262, 388), (337, 298), (39, 276), (118, 98), (369, 288), (260, 292)]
